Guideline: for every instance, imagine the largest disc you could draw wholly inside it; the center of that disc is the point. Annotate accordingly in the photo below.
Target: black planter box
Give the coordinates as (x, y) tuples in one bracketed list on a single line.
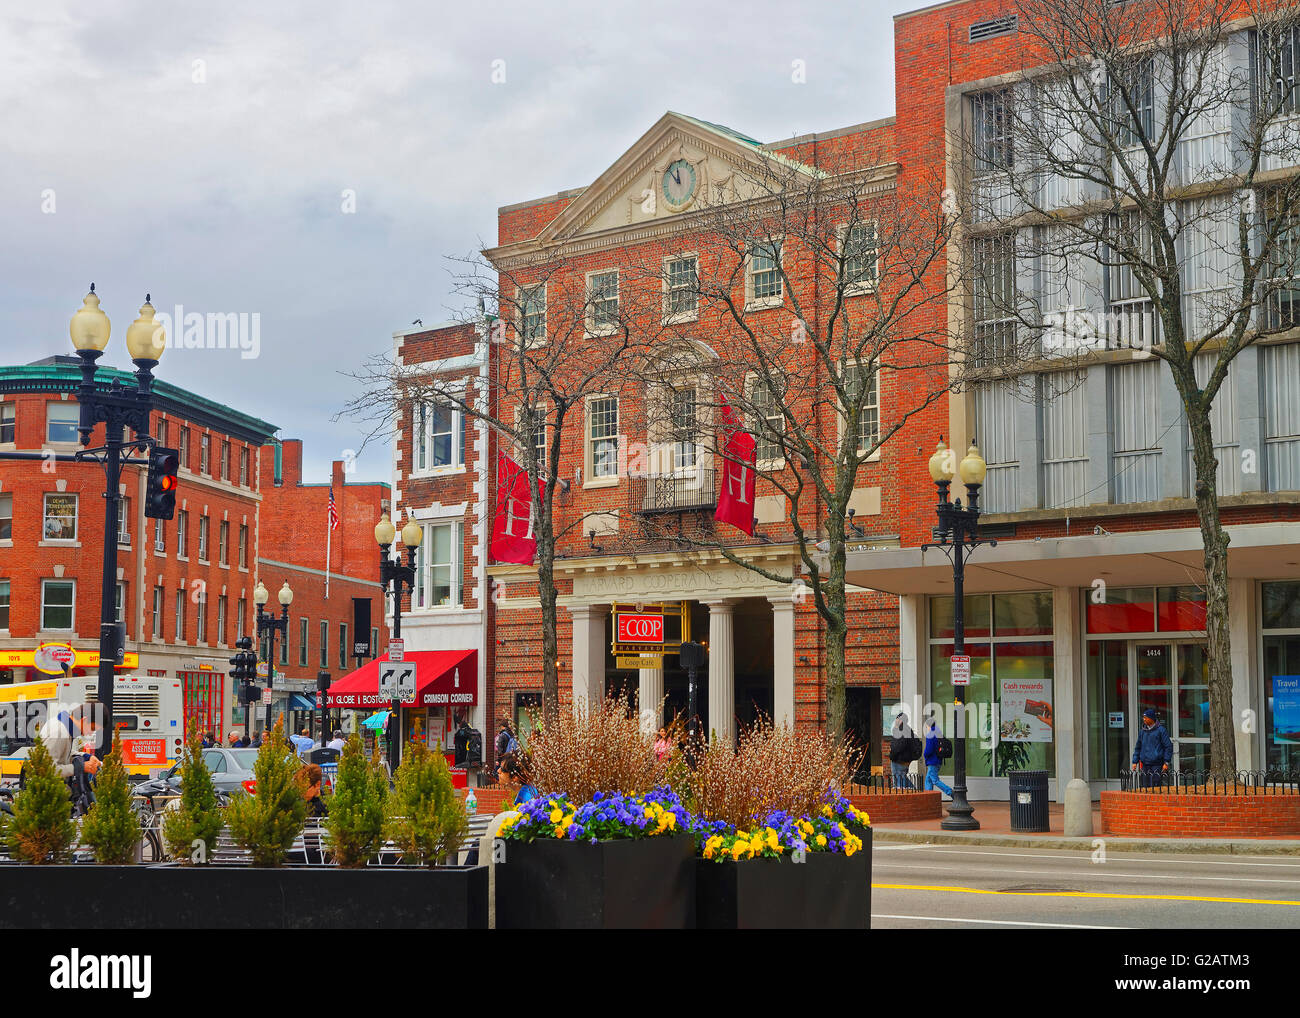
[(87, 896), (826, 891), (555, 885)]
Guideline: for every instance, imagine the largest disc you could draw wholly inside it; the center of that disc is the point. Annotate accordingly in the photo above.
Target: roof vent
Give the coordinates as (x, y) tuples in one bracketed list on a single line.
[(993, 27)]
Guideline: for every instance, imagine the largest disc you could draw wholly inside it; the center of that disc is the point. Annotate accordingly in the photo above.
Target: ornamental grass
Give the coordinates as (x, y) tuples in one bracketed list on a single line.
[(601, 748)]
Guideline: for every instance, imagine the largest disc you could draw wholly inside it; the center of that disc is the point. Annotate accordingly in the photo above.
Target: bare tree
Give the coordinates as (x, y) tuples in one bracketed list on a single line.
[(554, 340), (815, 288), (1136, 188)]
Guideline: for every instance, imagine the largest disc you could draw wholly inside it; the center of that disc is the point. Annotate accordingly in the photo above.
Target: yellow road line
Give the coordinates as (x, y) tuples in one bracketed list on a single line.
[(1086, 894)]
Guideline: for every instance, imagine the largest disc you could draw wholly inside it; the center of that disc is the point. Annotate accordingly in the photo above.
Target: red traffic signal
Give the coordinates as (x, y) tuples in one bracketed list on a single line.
[(160, 494)]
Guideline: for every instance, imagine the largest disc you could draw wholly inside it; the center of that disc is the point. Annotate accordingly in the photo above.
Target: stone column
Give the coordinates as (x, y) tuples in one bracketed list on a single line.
[(1243, 630), (651, 692), (588, 653), (782, 660), (1069, 705), (722, 669)]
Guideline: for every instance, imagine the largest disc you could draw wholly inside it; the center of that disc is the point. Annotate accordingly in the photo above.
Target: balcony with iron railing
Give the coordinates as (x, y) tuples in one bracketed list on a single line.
[(681, 491)]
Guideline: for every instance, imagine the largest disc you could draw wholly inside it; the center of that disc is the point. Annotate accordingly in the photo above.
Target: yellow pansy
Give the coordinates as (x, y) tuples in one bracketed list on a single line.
[(556, 816), (738, 849), (826, 810), (672, 821), (821, 840)]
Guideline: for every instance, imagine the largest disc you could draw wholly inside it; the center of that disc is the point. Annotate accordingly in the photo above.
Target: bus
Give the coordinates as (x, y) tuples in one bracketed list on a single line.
[(146, 711)]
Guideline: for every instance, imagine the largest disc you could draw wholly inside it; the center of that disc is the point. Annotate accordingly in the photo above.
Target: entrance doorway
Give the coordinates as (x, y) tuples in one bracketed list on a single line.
[(862, 724)]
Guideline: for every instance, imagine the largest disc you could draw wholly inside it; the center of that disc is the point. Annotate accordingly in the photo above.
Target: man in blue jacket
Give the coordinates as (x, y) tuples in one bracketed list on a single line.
[(1154, 749)]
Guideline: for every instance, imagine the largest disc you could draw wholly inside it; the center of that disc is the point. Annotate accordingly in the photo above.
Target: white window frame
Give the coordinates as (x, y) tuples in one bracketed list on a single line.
[(595, 328), (156, 630), (422, 436), (9, 419), (6, 602), (590, 480), (670, 316), (755, 303), (752, 383), (523, 296), (179, 625), (223, 543), (65, 405), (243, 466), (875, 404), (204, 526), (205, 454), (183, 534), (8, 497), (45, 516), (159, 537), (223, 614), (201, 619), (124, 522), (422, 592), (544, 450), (991, 124), (304, 634), (854, 288), (119, 601), (72, 626)]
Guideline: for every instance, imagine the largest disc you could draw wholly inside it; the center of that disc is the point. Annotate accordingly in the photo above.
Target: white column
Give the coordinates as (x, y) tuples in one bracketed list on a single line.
[(588, 653), (1069, 707), (722, 669), (782, 660), (912, 635), (1243, 628), (651, 692)]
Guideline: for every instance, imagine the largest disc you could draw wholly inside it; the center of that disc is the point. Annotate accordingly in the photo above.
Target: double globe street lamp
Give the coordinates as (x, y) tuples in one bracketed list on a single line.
[(957, 535), (117, 407), (391, 571), (268, 625)]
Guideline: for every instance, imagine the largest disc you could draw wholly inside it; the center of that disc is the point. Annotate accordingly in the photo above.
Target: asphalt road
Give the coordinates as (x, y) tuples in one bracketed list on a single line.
[(956, 887)]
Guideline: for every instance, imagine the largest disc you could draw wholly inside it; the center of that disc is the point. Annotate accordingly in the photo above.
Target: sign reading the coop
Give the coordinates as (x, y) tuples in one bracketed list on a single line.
[(640, 628)]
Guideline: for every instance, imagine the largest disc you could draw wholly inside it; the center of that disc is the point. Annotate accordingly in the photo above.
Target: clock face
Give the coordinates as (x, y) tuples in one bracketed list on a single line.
[(679, 183)]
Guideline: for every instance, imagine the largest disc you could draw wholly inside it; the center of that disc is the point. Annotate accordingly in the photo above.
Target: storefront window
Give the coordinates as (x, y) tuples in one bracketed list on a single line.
[(976, 617), (1281, 604), (1181, 609), (978, 694), (1121, 610), (1022, 614), (1026, 720), (1108, 720)]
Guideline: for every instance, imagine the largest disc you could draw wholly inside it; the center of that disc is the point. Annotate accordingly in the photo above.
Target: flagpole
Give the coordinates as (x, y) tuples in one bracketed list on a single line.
[(329, 534)]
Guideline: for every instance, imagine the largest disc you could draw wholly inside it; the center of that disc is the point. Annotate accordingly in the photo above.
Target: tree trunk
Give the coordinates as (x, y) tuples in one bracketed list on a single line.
[(550, 622), (1223, 740), (837, 633)]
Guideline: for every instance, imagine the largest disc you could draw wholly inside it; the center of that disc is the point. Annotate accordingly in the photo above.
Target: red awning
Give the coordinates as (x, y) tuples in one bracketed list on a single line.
[(442, 677)]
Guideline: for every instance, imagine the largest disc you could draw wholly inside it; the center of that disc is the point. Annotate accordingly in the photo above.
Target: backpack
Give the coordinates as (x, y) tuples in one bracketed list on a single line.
[(945, 749), (513, 745), (503, 742), (474, 747)]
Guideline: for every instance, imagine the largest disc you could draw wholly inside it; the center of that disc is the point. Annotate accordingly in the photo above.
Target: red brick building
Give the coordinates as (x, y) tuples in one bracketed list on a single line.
[(327, 570), (185, 586)]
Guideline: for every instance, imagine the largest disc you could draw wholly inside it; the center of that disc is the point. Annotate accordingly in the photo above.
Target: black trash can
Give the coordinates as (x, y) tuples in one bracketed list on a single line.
[(1028, 800)]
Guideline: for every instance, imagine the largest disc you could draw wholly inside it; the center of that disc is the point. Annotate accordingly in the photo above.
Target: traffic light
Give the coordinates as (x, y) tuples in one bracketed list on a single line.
[(160, 495), (244, 670)]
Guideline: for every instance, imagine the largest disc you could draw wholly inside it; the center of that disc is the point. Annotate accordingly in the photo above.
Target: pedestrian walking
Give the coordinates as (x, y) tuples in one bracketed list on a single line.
[(337, 741), (904, 747), (257, 741), (1153, 751), (506, 741), (933, 758), (302, 742), (662, 744), (208, 740)]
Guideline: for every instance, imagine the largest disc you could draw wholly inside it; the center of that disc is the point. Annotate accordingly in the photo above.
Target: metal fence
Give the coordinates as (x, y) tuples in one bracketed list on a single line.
[(880, 784), (1265, 782)]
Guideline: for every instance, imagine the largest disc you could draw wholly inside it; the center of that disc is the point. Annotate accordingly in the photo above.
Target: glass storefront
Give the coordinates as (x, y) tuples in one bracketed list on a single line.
[(1009, 640), (1280, 621)]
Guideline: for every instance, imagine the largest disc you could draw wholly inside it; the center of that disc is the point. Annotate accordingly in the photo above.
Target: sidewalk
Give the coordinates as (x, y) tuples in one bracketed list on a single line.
[(995, 830)]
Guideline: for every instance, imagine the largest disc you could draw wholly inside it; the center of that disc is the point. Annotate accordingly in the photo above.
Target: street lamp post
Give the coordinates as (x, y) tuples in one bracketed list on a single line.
[(118, 407), (269, 625), (392, 571), (958, 534)]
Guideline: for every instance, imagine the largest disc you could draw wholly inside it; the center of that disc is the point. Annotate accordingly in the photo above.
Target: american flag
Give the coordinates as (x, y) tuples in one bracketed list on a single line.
[(333, 511)]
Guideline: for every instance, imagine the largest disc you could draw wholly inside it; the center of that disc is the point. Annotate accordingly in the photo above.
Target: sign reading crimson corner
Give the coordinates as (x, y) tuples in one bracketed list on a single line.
[(640, 628)]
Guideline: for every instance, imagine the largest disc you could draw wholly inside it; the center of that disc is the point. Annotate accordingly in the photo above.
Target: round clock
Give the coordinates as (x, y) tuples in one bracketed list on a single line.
[(679, 184)]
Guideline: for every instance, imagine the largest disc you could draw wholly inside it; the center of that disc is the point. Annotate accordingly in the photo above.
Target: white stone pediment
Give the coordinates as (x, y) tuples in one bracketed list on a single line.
[(683, 583)]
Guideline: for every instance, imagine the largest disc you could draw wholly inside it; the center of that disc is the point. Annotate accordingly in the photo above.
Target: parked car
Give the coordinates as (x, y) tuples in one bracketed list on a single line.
[(231, 770)]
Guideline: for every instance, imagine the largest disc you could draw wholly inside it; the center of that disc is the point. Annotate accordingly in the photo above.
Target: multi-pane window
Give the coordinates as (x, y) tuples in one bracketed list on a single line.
[(602, 436), (539, 437), (1277, 59), (223, 542), (204, 443), (1133, 104), (303, 626), (995, 432), (1282, 299), (225, 461), (201, 617), (61, 421), (324, 644), (243, 465), (604, 299), (119, 601), (243, 546), (861, 249), (157, 629), (765, 270), (343, 646), (437, 578), (532, 315), (60, 517), (1065, 439), (374, 641), (1132, 320), (1280, 375), (159, 536), (683, 286), (1135, 430), (160, 432), (58, 598), (4, 604), (124, 522), (284, 648), (180, 615), (995, 309), (769, 425), (203, 538), (6, 423), (991, 121), (241, 613), (685, 428), (6, 517), (438, 439), (862, 387), (183, 447), (221, 619), (182, 533)]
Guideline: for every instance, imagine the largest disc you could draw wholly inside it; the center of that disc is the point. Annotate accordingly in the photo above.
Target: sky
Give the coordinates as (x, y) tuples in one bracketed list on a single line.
[(318, 164)]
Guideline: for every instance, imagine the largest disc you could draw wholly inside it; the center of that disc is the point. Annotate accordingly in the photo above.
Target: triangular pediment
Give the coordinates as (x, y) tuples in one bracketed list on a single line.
[(674, 168)]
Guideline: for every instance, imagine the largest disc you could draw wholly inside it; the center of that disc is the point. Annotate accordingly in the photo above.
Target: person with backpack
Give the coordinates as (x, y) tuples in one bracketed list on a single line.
[(903, 749), (506, 741), (935, 745)]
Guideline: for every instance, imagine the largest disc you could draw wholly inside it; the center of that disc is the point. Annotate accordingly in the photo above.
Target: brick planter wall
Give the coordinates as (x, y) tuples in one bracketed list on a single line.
[(1152, 815), (490, 800), (898, 807)]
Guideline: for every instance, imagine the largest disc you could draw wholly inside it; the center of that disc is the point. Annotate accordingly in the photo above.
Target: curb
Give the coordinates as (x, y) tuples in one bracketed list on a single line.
[(1185, 846)]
